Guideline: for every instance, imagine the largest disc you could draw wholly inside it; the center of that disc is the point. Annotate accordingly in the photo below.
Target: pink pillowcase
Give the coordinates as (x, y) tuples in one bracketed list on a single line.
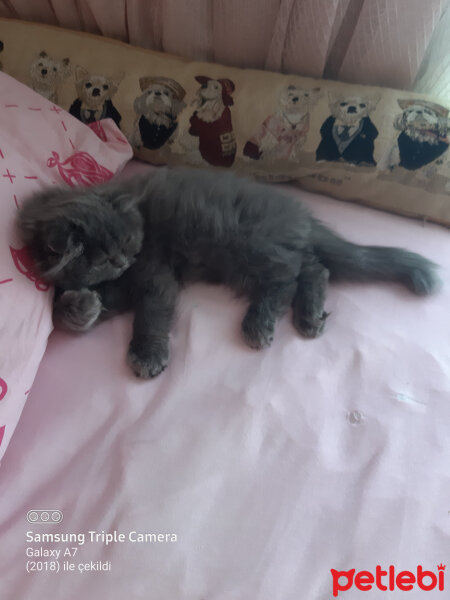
[(40, 145)]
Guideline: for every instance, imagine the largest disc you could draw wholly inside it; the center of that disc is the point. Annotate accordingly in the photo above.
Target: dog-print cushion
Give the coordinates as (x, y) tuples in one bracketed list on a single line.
[(381, 147), (40, 145)]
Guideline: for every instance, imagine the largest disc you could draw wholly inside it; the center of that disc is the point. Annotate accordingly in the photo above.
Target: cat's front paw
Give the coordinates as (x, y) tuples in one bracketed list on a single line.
[(257, 332), (312, 326), (77, 310), (149, 362)]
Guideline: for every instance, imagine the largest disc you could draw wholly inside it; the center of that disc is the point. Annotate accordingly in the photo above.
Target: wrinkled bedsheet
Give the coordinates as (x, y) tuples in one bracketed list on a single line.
[(261, 471)]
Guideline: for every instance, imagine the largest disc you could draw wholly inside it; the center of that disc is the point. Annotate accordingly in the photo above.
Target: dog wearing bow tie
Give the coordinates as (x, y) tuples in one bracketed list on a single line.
[(94, 101), (348, 134)]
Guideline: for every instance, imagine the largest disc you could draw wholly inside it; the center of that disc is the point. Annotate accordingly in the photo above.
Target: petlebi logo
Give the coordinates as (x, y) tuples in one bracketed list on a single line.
[(388, 579)]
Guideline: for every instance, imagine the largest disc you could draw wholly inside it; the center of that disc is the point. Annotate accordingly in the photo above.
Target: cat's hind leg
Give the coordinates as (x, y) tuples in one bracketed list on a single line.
[(309, 315), (265, 309)]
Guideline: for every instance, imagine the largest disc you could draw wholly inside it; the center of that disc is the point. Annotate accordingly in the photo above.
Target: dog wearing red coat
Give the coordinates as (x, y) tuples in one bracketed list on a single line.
[(211, 121)]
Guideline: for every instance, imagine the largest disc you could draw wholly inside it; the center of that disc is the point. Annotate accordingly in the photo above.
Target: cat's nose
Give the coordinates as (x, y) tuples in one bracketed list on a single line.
[(119, 262), (96, 92)]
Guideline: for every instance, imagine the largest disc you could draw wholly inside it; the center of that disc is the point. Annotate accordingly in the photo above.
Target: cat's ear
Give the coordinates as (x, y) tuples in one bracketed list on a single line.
[(62, 239), (125, 201), (64, 244)]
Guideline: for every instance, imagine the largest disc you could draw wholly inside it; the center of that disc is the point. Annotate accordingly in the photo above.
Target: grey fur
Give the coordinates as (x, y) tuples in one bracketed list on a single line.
[(77, 310), (173, 226)]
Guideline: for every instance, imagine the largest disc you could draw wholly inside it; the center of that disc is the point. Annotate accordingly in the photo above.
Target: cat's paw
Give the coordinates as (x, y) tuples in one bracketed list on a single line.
[(148, 363), (257, 332), (311, 327), (77, 310)]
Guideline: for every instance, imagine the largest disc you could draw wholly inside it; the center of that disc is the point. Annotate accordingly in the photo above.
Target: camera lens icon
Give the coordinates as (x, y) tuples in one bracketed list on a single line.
[(44, 516)]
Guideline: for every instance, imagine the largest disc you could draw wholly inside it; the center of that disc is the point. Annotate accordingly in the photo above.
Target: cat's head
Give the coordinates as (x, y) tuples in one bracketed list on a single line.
[(81, 237)]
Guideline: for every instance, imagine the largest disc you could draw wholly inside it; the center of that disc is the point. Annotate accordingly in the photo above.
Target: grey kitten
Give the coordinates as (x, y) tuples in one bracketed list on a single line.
[(133, 244)]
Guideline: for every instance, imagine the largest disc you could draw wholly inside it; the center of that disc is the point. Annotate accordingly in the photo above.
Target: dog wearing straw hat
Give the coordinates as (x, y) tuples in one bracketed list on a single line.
[(422, 140), (157, 109)]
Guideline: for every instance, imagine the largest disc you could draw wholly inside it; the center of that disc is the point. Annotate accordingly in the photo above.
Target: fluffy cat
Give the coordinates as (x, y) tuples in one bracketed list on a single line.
[(133, 244)]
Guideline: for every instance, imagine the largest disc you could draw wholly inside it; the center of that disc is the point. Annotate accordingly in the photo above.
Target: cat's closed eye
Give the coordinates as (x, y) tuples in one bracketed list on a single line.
[(99, 259)]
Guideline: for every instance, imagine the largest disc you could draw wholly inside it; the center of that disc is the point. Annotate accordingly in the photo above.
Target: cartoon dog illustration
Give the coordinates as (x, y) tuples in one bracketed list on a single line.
[(422, 140), (211, 122), (284, 132), (94, 101), (47, 74), (157, 109), (348, 134)]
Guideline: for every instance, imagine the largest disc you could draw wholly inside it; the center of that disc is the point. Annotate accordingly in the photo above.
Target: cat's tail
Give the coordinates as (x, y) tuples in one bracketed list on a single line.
[(352, 262)]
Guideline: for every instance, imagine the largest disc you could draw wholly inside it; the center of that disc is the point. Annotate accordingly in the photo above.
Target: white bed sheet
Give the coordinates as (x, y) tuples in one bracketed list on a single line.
[(271, 468)]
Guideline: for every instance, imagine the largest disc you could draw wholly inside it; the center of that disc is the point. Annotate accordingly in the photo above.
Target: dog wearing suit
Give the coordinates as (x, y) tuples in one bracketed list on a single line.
[(348, 134)]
